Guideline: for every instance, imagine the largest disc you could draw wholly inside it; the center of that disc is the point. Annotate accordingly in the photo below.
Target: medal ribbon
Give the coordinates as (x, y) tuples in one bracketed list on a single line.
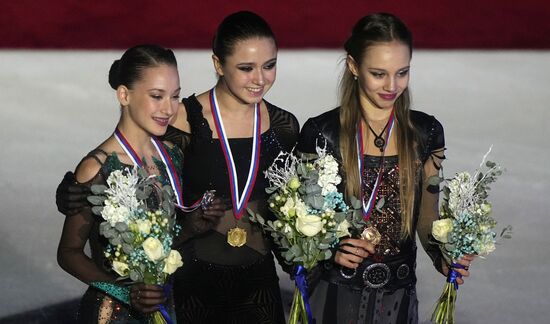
[(239, 199), (170, 169), (368, 207)]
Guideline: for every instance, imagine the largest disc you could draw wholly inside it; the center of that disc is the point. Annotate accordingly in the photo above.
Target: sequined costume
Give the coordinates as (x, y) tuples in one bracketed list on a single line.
[(95, 305), (382, 290), (220, 283)]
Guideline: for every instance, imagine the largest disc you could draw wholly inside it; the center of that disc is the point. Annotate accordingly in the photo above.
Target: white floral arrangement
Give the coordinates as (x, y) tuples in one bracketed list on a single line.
[(465, 226), (310, 213), (140, 238)]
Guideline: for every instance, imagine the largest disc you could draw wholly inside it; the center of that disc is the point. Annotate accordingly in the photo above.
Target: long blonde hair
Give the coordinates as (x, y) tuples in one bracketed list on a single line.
[(371, 30)]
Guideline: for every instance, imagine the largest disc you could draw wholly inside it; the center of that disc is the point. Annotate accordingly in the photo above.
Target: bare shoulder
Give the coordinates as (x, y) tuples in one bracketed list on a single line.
[(89, 166)]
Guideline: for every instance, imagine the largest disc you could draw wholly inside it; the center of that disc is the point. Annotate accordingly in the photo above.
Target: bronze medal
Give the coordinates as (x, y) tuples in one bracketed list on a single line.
[(371, 235), (236, 237)]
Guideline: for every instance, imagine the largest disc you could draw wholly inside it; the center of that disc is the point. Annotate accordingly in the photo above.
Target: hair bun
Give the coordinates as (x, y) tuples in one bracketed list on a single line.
[(114, 75)]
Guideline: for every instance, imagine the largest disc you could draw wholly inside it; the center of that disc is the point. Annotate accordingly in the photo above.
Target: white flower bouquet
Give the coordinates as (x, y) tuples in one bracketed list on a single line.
[(465, 227), (310, 217), (140, 237)]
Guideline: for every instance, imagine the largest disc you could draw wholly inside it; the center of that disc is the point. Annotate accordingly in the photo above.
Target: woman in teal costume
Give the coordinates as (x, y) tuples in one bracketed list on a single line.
[(147, 86)]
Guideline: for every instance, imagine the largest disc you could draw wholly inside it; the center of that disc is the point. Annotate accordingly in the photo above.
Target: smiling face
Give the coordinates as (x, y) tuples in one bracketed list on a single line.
[(250, 71), (383, 73), (153, 99)]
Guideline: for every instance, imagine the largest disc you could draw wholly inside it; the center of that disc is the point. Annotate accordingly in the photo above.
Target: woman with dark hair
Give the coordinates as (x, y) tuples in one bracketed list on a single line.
[(234, 135), (147, 86), (387, 153), (229, 135)]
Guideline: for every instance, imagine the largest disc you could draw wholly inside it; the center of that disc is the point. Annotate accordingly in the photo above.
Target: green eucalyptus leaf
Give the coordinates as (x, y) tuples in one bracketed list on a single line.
[(435, 180), (128, 237), (121, 227), (355, 203), (296, 250), (116, 240), (270, 190), (315, 201), (135, 276), (288, 255), (380, 203), (98, 189), (140, 194), (127, 248), (327, 254), (96, 200), (97, 210)]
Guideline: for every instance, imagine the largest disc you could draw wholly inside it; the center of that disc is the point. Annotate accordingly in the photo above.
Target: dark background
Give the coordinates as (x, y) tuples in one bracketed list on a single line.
[(437, 24)]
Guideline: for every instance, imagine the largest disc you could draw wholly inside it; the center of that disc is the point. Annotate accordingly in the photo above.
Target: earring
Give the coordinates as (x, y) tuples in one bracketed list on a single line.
[(355, 77)]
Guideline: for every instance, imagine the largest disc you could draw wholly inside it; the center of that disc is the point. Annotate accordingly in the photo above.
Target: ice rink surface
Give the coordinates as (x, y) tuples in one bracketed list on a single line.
[(57, 105)]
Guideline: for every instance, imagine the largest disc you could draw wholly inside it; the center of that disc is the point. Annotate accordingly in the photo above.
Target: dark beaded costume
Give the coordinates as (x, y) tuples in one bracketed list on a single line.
[(350, 299), (220, 283)]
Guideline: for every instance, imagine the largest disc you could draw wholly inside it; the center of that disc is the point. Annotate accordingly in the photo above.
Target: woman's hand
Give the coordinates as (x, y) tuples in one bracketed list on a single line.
[(214, 211), (465, 261), (70, 196), (146, 298), (351, 252)]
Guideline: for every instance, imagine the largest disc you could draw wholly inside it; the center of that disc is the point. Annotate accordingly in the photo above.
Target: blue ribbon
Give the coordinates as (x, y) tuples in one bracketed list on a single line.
[(167, 289), (301, 283), (453, 274)]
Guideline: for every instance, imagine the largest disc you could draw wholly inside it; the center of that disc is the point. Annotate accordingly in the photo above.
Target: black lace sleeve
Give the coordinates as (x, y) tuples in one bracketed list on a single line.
[(285, 125), (177, 137), (322, 131), (433, 156), (83, 228)]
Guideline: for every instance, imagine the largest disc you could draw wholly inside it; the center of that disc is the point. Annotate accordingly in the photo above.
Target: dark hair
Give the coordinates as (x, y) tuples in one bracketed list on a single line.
[(237, 27), (128, 69)]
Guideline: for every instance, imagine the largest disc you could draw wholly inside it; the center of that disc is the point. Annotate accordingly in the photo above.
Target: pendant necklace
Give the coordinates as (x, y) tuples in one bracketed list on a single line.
[(379, 141), (371, 233)]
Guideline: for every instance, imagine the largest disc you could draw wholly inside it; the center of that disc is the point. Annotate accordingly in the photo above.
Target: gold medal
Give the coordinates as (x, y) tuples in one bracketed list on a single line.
[(236, 237), (371, 235)]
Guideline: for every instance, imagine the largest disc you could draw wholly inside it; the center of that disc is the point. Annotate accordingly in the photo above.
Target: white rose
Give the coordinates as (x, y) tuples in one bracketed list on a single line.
[(309, 225), (144, 226), (153, 249), (441, 229), (343, 229), (172, 262), (120, 267)]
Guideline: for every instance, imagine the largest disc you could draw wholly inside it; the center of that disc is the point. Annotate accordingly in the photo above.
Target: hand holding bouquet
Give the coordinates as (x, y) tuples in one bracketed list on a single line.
[(310, 217), (465, 227), (140, 237)]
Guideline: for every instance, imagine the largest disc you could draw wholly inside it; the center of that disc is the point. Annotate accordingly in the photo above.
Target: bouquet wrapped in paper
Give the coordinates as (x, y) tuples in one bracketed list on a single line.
[(310, 217), (140, 236), (465, 227)]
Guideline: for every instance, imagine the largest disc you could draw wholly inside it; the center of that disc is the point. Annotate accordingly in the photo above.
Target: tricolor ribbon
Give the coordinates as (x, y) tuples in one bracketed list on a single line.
[(369, 205), (301, 283), (238, 199), (169, 165)]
